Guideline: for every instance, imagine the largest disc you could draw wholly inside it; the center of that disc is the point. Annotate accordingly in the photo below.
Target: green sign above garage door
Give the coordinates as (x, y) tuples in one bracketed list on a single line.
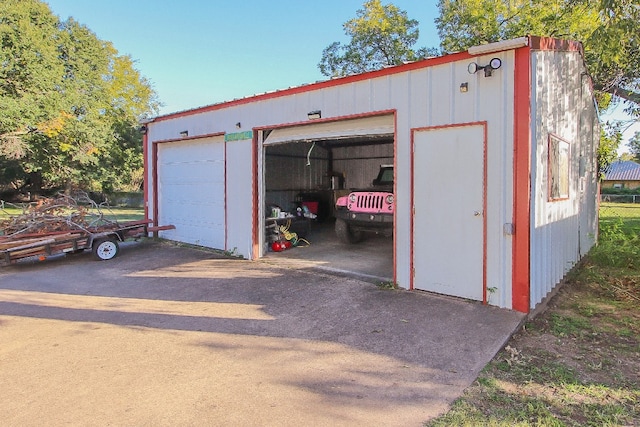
[(238, 136)]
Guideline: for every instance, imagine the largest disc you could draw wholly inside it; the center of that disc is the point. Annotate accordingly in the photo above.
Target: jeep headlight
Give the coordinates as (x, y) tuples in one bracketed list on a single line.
[(352, 198), (389, 199)]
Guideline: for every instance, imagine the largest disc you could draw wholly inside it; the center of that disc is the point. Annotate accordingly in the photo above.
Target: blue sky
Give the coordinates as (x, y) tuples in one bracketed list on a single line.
[(199, 52)]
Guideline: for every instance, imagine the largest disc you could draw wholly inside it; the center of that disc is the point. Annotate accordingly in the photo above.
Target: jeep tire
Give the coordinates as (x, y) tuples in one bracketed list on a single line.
[(345, 233)]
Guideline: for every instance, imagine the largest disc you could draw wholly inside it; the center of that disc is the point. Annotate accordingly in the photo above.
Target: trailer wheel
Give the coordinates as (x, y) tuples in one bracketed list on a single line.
[(105, 249)]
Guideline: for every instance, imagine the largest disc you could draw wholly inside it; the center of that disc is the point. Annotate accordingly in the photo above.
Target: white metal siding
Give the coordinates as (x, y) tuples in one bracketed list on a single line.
[(424, 97), (561, 230), (428, 97)]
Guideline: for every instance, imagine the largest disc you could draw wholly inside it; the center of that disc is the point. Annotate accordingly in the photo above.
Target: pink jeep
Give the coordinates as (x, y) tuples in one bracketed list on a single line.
[(367, 210)]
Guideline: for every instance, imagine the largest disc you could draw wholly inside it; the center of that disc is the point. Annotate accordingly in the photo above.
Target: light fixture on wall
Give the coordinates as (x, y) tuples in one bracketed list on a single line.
[(184, 133), (494, 64), (238, 125), (315, 114)]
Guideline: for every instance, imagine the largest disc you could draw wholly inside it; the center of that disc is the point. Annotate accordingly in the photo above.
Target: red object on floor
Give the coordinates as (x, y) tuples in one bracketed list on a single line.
[(312, 206)]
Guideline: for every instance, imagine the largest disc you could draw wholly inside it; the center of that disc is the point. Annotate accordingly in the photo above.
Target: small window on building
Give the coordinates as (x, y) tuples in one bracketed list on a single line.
[(558, 168), (618, 185)]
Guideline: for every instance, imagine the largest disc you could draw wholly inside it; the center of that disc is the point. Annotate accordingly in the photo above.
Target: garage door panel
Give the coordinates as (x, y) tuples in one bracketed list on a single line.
[(370, 126), (189, 151), (191, 171), (191, 191)]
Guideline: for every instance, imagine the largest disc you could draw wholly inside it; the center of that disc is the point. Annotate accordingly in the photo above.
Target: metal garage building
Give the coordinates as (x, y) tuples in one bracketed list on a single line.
[(494, 152)]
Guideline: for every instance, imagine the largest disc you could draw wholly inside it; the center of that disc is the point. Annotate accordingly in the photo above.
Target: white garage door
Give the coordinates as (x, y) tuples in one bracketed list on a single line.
[(191, 192)]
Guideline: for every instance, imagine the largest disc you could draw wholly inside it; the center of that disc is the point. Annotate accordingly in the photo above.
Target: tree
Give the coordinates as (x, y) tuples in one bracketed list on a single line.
[(634, 146), (627, 157), (69, 103), (607, 28), (610, 138), (381, 35)]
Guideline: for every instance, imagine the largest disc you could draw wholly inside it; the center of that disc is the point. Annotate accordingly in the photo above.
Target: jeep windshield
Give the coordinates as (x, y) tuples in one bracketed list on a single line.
[(385, 176)]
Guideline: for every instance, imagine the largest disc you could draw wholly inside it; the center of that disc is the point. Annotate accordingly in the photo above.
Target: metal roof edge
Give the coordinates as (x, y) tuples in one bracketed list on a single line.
[(533, 42), (499, 46), (396, 69)]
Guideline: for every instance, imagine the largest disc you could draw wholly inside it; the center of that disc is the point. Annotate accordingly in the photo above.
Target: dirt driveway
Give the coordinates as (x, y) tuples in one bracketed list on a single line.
[(166, 335)]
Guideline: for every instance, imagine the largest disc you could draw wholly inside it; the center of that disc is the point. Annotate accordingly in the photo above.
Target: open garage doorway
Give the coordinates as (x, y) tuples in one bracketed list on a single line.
[(306, 168)]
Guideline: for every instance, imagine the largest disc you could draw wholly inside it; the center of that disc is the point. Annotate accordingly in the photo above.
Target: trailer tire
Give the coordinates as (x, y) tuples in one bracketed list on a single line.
[(105, 249)]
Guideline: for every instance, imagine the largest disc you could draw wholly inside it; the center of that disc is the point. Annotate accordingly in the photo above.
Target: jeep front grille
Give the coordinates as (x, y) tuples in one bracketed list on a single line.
[(370, 201)]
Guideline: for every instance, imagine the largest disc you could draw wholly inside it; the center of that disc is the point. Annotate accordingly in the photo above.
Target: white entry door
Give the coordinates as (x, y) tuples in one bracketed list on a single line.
[(191, 191), (449, 210)]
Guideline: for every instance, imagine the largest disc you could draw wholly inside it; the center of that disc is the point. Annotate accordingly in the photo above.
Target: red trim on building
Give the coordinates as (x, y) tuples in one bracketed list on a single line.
[(484, 215), (154, 178), (550, 198), (326, 120), (549, 43), (521, 274), (145, 166), (256, 155), (395, 193), (484, 124), (412, 206), (190, 138), (425, 63), (255, 251), (226, 221), (154, 154)]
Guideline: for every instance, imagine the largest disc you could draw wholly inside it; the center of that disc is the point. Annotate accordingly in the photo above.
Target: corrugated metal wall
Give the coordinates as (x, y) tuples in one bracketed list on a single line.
[(429, 96), (287, 173), (562, 231), (360, 165), (421, 97)]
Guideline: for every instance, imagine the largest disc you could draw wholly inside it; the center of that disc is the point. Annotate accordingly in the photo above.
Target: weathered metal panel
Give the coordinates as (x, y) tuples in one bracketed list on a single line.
[(422, 97), (444, 94), (360, 165), (299, 165), (562, 230)]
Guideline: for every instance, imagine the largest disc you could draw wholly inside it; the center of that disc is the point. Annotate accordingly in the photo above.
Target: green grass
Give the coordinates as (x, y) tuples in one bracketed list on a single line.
[(124, 214), (576, 364), (626, 214), (119, 214)]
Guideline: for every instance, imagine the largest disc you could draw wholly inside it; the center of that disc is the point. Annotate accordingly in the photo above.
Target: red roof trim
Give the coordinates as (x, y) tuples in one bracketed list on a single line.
[(327, 120), (425, 63), (190, 138), (549, 43)]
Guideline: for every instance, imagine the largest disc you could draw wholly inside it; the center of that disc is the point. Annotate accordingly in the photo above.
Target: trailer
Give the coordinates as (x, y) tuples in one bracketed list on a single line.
[(102, 241)]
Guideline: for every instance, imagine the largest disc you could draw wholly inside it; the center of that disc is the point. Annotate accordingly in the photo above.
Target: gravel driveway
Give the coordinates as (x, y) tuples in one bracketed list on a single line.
[(167, 335)]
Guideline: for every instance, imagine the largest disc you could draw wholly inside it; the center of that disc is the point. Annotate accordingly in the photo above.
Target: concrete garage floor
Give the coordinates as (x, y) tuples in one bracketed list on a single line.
[(370, 260), (165, 335)]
